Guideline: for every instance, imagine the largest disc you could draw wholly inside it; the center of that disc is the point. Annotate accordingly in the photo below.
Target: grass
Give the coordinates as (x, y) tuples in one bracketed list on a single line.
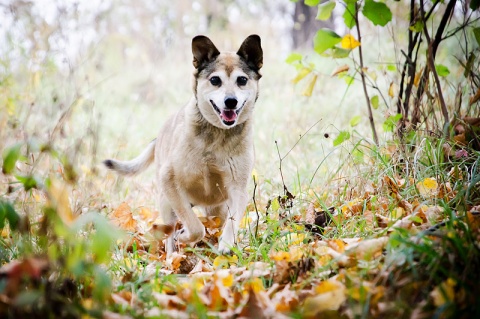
[(60, 255)]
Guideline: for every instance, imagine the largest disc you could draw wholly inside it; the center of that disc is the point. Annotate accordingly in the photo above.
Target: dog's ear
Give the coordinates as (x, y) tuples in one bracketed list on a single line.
[(203, 50), (251, 52)]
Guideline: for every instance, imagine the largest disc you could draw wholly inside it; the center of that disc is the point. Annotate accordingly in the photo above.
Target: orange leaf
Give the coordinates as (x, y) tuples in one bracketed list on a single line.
[(122, 217), (475, 98)]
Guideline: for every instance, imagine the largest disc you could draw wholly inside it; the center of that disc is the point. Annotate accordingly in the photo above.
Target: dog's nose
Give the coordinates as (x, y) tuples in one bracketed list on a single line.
[(230, 103)]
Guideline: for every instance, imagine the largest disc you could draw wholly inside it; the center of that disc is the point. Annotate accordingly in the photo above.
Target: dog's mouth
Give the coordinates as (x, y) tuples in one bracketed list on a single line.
[(228, 117)]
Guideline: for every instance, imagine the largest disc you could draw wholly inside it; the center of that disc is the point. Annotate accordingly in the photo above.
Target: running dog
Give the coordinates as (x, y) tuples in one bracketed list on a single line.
[(204, 153)]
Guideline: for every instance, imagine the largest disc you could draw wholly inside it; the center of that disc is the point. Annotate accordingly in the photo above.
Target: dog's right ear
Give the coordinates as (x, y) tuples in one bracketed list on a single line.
[(203, 50)]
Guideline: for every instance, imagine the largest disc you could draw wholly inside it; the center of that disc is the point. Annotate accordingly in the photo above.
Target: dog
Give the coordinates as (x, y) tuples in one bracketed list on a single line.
[(204, 154)]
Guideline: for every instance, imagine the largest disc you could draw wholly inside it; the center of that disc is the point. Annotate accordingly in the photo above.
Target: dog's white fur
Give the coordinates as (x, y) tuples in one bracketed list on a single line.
[(204, 153)]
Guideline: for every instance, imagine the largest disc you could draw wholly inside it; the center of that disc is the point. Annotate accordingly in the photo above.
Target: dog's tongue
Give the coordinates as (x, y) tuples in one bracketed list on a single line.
[(229, 115)]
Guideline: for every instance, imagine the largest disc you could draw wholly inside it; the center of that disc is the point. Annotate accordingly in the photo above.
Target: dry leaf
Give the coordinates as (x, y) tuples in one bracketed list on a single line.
[(223, 261), (311, 84), (367, 248), (303, 73), (330, 295), (122, 217), (340, 69), (475, 98), (428, 187), (392, 90), (444, 292), (58, 199)]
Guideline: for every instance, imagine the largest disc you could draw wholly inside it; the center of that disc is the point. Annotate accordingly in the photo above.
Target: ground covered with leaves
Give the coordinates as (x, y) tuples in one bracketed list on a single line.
[(385, 244)]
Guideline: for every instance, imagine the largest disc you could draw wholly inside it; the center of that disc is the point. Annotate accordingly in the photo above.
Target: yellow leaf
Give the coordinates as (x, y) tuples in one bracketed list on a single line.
[(444, 292), (349, 42), (428, 187), (391, 90), (256, 284), (280, 255), (331, 294), (294, 239), (397, 212), (309, 89), (326, 286), (224, 277), (303, 73), (58, 199), (225, 261), (340, 69), (416, 79)]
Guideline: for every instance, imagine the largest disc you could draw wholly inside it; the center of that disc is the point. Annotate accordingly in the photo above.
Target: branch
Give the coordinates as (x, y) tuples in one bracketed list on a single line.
[(431, 61), (362, 74)]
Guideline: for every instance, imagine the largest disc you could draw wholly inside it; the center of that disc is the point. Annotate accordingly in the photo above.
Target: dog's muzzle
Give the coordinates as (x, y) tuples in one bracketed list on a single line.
[(228, 115)]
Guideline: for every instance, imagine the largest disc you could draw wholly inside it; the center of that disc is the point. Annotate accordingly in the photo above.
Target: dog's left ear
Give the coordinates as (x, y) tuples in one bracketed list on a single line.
[(203, 50), (251, 51)]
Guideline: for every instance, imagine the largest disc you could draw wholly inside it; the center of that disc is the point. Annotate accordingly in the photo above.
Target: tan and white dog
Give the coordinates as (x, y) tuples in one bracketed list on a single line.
[(204, 153)]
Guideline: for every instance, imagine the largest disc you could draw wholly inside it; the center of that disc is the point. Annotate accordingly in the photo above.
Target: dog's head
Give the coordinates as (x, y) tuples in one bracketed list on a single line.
[(226, 84)]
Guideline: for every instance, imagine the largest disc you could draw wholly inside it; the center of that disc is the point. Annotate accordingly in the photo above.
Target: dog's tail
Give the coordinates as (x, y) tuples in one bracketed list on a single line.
[(135, 166)]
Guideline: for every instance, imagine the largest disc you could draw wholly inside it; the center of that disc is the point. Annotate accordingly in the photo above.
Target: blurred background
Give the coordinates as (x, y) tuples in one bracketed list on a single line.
[(96, 79)]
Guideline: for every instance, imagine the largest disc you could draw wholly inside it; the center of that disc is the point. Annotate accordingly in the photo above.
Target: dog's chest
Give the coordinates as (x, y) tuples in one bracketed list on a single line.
[(208, 184)]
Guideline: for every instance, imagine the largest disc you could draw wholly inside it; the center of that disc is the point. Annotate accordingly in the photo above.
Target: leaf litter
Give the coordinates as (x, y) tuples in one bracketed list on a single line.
[(302, 266)]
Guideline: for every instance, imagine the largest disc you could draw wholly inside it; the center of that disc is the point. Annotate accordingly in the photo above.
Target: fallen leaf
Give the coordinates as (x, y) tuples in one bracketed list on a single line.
[(367, 248), (428, 187), (329, 295), (122, 217), (444, 292), (223, 261)]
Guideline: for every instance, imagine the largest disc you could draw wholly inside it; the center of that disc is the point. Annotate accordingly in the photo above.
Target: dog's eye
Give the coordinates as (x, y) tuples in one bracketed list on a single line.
[(241, 80), (215, 80)]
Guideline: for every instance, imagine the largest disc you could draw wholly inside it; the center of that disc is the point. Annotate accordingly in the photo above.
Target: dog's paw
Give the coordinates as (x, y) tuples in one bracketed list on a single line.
[(224, 249), (184, 236)]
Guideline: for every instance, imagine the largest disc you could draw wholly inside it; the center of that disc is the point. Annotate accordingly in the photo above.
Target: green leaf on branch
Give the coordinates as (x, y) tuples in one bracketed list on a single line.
[(377, 12), (442, 70), (391, 122), (374, 102), (339, 53), (10, 157), (349, 14), (325, 10), (312, 3), (391, 67), (417, 27), (355, 120), (293, 58), (476, 33), (325, 39), (342, 137)]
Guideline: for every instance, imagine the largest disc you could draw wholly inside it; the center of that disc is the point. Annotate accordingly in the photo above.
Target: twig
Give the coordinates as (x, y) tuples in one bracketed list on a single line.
[(432, 46), (362, 74), (255, 205)]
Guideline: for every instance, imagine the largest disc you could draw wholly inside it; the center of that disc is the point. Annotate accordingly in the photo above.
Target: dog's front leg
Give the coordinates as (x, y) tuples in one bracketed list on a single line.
[(235, 211), (193, 229)]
